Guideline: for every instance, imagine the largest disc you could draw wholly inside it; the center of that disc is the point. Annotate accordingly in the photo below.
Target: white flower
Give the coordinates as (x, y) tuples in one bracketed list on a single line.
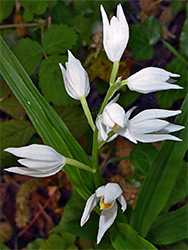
[(115, 34), (107, 195), (40, 160), (148, 127), (75, 78), (112, 117), (151, 79)]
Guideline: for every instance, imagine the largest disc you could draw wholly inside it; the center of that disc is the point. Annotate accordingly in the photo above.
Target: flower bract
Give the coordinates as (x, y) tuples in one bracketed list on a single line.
[(75, 77), (39, 160), (107, 195), (115, 34)]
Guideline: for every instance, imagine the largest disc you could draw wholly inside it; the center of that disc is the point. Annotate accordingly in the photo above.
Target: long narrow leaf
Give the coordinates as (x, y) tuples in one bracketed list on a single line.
[(170, 227), (124, 237), (46, 121), (161, 178)]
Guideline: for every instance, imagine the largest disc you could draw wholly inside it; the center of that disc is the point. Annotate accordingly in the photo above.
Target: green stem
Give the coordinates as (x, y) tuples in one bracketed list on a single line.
[(87, 112), (174, 51), (114, 72), (110, 134), (6, 26), (78, 164), (95, 158)]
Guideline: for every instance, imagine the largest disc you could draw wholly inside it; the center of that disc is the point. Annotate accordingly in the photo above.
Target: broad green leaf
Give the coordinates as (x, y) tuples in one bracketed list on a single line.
[(180, 245), (177, 5), (8, 102), (74, 119), (124, 237), (180, 190), (46, 121), (6, 8), (169, 227), (54, 241), (70, 221), (37, 7), (29, 53), (3, 246), (166, 98), (62, 14), (35, 244), (51, 81), (15, 132), (161, 178), (10, 36), (58, 38), (143, 36), (141, 158), (28, 15), (183, 36)]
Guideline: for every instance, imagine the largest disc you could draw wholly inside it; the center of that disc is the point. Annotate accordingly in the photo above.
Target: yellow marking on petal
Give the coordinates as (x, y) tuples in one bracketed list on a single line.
[(115, 126), (104, 206)]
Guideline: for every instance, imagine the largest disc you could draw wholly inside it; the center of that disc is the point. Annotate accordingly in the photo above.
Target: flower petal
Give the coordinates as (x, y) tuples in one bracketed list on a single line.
[(113, 114), (123, 203), (31, 172), (106, 220), (100, 191), (154, 113), (147, 138), (111, 192), (40, 165), (90, 204), (37, 152)]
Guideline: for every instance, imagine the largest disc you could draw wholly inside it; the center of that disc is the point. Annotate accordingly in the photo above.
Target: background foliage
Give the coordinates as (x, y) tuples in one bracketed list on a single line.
[(39, 33)]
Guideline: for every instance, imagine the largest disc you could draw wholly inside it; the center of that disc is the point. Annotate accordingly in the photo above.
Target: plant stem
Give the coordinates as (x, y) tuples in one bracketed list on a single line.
[(6, 26), (78, 164), (174, 51), (114, 72), (87, 112), (95, 158)]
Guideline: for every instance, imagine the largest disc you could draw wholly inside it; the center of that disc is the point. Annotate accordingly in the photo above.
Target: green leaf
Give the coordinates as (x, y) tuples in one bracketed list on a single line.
[(166, 98), (169, 227), (54, 241), (35, 244), (161, 178), (37, 7), (46, 121), (141, 157), (15, 132), (180, 190), (51, 81), (70, 221), (143, 36), (28, 15), (10, 36), (183, 36), (8, 102), (29, 53), (124, 237), (74, 118), (180, 245), (58, 38), (62, 14), (6, 8)]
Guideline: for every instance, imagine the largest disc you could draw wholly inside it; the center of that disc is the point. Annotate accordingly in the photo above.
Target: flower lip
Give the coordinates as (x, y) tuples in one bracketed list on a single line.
[(105, 206)]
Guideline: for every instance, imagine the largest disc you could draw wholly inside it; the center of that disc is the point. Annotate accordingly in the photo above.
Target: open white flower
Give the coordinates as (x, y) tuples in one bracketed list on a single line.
[(151, 79), (147, 126), (112, 117), (107, 195), (40, 160), (115, 34), (75, 78)]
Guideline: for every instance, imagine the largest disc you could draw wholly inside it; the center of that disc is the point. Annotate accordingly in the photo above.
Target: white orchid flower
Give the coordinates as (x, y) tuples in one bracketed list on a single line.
[(75, 78), (147, 126), (41, 161), (107, 195), (113, 116), (151, 79), (115, 34)]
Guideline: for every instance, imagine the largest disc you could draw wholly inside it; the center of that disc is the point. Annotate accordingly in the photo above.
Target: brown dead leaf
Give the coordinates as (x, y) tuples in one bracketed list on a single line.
[(21, 31), (148, 7), (124, 148)]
